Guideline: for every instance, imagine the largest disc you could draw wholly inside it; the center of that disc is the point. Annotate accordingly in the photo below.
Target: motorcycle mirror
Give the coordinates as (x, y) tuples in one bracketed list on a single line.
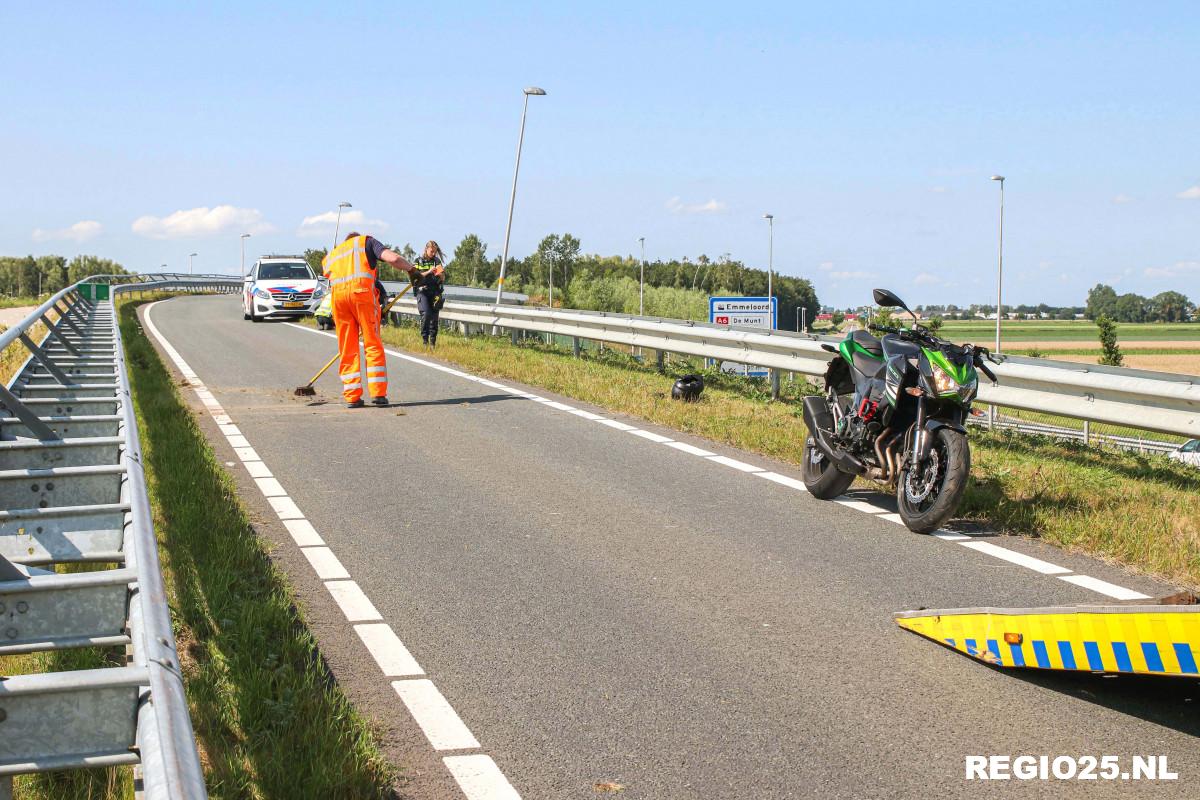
[(886, 299)]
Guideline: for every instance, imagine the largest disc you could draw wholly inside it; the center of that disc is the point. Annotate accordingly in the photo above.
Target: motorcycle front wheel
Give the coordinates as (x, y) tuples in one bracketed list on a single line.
[(928, 495), (823, 480)]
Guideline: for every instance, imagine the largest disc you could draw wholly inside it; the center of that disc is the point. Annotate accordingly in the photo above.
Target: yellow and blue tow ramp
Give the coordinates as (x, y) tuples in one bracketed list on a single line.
[(1134, 640)]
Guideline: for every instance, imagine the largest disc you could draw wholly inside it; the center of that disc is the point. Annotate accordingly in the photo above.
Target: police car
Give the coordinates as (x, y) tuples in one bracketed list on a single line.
[(280, 287)]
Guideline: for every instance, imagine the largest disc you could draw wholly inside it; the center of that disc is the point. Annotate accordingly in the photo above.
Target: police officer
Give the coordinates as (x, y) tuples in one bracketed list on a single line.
[(351, 269), (431, 290)]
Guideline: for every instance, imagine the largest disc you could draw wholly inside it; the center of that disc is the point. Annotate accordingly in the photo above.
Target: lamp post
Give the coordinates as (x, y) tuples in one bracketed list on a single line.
[(642, 280), (245, 236), (770, 218), (534, 91), (190, 257), (1000, 263), (337, 227)]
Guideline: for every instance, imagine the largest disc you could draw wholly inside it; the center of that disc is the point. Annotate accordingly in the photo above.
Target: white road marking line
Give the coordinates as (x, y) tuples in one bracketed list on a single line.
[(492, 384), (950, 537), (579, 412), (1104, 587), (783, 480), (353, 602), (688, 448), (222, 419), (654, 437), (612, 423), (303, 532), (388, 651), (246, 454), (237, 441), (860, 505), (270, 487), (733, 462), (441, 724), (1035, 564), (285, 507), (325, 563), (480, 778), (258, 469), (1013, 557), (230, 430)]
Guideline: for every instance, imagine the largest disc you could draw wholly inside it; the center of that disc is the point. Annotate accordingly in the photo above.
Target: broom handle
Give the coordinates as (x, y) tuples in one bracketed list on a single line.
[(329, 363)]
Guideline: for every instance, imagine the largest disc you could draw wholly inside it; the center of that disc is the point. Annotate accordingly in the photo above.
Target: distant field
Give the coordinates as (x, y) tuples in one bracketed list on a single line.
[(1082, 330)]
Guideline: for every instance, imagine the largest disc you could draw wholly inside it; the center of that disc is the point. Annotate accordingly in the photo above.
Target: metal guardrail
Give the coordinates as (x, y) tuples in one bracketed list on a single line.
[(1140, 399), (73, 490)]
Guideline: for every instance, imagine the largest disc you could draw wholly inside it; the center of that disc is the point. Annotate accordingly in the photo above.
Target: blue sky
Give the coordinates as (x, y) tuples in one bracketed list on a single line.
[(146, 131)]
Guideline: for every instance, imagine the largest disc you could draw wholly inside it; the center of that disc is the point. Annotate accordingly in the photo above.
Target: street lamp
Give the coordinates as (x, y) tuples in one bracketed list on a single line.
[(770, 218), (245, 236), (338, 226), (190, 257), (642, 281), (1000, 264), (535, 91)]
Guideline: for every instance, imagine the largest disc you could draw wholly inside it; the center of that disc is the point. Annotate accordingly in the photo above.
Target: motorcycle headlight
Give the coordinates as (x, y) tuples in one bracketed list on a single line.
[(943, 382), (262, 294)]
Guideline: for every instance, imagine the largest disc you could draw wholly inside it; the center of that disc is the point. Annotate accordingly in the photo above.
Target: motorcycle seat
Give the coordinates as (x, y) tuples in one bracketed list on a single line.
[(867, 342)]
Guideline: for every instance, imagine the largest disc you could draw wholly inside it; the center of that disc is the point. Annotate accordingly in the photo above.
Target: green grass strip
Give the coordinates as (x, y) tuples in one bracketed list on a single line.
[(270, 720)]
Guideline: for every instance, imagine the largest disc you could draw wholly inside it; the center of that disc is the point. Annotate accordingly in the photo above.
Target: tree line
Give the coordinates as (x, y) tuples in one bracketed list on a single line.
[(677, 288), (29, 276), (1103, 301)]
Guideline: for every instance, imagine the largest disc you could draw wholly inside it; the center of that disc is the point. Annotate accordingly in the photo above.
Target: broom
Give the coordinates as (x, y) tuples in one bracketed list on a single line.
[(307, 389)]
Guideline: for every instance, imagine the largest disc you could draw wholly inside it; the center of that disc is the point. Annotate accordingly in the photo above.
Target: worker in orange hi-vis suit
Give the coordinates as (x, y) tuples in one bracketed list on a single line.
[(351, 268)]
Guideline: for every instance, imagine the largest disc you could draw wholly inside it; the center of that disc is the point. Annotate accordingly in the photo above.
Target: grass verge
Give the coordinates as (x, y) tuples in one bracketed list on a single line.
[(1138, 510), (269, 719)]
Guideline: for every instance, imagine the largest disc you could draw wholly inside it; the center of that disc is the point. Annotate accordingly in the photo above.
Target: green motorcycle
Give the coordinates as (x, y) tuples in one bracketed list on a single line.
[(894, 412)]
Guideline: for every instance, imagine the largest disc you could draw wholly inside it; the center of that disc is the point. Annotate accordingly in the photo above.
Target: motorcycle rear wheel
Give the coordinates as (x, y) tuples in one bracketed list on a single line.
[(822, 478), (937, 491)]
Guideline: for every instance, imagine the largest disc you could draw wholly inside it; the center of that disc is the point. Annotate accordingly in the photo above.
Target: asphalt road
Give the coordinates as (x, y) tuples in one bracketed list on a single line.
[(601, 608)]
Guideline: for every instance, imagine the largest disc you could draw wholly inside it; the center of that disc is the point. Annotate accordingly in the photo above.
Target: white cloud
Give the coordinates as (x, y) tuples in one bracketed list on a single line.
[(323, 224), (926, 279), (825, 266), (79, 232), (1190, 194), (939, 190), (1122, 199), (677, 206), (1177, 270), (854, 275), (203, 221)]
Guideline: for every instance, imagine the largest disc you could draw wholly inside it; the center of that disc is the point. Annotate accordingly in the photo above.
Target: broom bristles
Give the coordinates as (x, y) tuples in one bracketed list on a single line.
[(304, 391)]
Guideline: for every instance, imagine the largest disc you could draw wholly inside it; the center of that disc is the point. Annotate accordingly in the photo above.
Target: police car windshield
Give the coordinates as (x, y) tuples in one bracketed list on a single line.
[(284, 272)]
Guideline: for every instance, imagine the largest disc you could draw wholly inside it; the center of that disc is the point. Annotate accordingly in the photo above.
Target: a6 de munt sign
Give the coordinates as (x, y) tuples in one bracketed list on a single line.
[(744, 312)]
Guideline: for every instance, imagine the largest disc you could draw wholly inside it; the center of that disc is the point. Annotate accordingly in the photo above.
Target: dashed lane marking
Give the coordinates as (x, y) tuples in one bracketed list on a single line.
[(476, 774)]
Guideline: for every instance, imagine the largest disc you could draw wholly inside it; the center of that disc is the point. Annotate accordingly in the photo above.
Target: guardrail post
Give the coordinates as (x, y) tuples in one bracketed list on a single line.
[(512, 334), (6, 791), (575, 346), (774, 373), (1087, 431), (660, 360)]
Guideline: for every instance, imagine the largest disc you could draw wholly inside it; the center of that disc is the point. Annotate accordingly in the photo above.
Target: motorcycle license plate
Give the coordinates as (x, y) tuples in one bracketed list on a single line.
[(293, 305)]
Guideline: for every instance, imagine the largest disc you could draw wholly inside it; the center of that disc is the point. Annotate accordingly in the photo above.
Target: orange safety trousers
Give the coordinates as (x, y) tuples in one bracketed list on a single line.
[(355, 312)]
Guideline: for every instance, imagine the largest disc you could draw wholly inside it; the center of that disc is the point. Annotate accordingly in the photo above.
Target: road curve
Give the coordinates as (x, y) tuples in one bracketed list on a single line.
[(598, 607)]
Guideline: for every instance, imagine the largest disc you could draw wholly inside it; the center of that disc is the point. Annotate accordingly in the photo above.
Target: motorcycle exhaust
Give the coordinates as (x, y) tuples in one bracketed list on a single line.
[(820, 425)]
